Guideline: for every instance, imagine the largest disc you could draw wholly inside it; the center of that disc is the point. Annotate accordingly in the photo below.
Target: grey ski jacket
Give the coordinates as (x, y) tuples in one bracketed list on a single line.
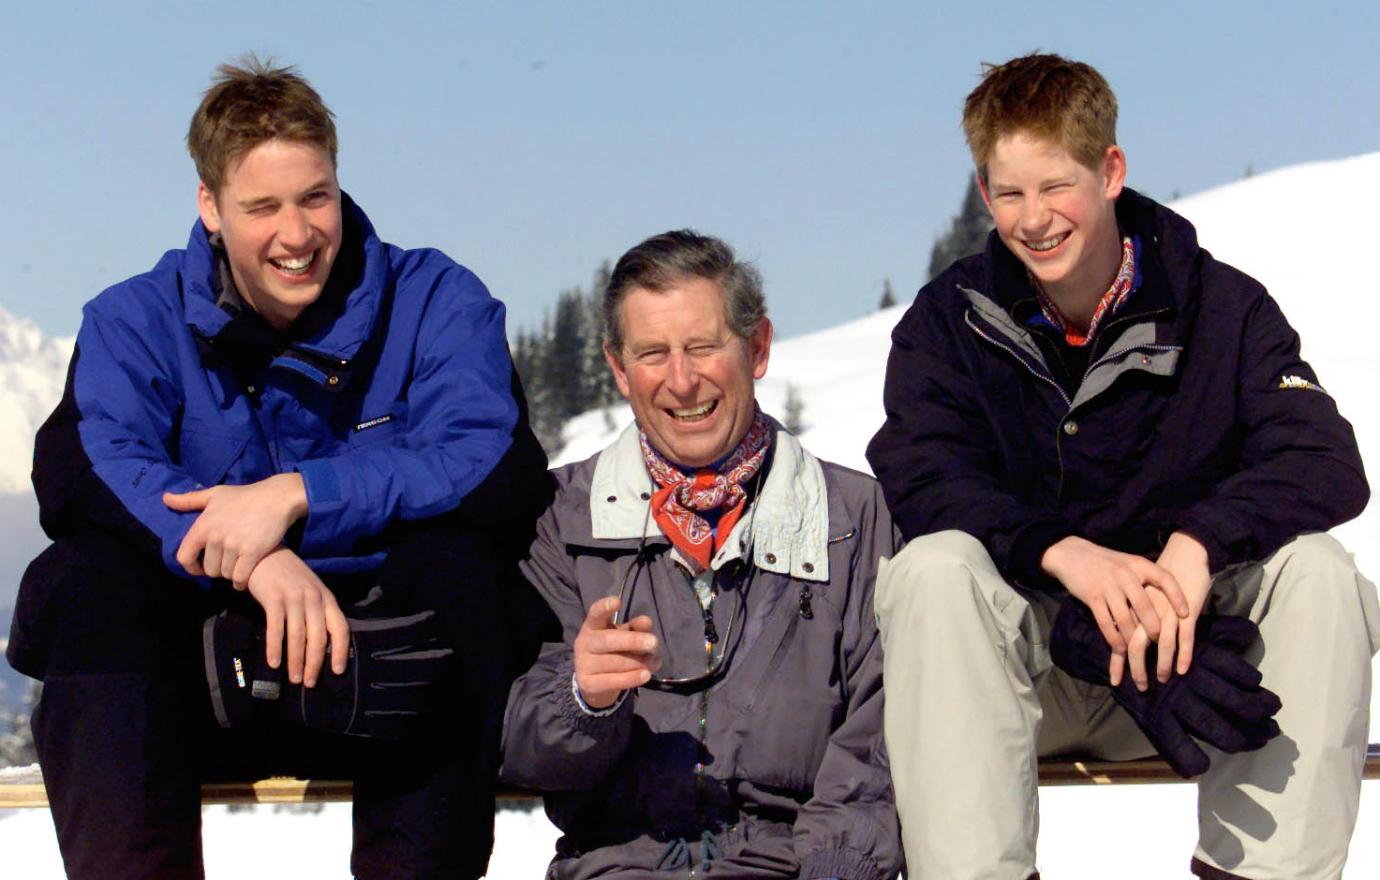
[(777, 768)]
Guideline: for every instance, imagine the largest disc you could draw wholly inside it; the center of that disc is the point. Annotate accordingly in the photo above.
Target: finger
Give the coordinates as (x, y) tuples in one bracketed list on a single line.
[(600, 615), (1164, 661), (1125, 621), (620, 641), (601, 664), (244, 567), (315, 620), (1186, 631), (1108, 628), (186, 502), (1169, 585), (296, 638), (228, 560), (1146, 612), (641, 623), (189, 552), (339, 630), (614, 681), (273, 633), (1135, 656)]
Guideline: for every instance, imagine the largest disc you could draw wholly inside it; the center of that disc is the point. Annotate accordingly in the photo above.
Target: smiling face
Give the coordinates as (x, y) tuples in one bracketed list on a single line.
[(688, 377), (278, 214), (1057, 215)]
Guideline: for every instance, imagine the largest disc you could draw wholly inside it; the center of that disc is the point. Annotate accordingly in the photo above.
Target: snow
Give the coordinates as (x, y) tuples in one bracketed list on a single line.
[(1299, 230)]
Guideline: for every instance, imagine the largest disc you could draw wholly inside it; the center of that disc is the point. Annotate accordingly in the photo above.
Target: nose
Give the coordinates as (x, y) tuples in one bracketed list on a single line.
[(1034, 215), (294, 229), (682, 379)]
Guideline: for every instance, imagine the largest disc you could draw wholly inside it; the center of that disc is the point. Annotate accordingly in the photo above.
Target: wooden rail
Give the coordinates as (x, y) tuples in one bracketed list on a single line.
[(25, 788)]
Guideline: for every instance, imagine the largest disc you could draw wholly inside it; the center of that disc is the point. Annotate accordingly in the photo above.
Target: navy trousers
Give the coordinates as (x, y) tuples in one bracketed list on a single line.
[(125, 731)]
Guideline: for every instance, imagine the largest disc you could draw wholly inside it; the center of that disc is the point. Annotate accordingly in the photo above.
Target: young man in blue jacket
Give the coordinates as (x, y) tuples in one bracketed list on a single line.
[(1112, 465), (291, 408)]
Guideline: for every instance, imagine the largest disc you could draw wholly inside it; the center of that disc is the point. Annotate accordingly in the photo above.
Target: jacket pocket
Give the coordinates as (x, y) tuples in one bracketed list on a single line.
[(207, 450)]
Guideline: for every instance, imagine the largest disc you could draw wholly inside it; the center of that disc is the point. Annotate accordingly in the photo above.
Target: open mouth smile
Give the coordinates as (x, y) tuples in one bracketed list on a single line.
[(296, 267), (694, 413), (1047, 244)]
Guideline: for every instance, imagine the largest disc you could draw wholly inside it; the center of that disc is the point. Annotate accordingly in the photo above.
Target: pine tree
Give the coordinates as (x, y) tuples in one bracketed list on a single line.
[(16, 739), (967, 233), (793, 410), (888, 296), (601, 390)]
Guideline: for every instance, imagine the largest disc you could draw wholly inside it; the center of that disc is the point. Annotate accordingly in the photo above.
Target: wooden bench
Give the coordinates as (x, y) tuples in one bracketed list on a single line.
[(24, 788)]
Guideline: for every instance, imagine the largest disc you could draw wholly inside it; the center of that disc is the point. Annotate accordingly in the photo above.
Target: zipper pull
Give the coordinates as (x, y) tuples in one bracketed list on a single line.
[(806, 612)]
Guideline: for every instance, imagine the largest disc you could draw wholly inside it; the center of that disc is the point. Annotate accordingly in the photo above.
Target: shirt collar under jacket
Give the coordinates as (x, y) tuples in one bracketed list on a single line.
[(789, 522)]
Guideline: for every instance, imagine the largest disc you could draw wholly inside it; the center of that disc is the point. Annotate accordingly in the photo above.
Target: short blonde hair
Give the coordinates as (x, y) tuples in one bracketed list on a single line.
[(1064, 102)]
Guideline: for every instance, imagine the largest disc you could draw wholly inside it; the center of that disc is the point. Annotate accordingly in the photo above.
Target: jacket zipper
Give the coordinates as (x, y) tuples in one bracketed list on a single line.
[(1045, 377)]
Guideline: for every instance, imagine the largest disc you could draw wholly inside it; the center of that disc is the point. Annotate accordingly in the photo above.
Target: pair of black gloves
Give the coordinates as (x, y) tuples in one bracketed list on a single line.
[(1219, 700), (390, 683)]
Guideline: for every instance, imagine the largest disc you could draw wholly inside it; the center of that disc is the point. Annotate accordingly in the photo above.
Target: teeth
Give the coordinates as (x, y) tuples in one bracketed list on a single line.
[(694, 412), (1046, 244), (294, 264)]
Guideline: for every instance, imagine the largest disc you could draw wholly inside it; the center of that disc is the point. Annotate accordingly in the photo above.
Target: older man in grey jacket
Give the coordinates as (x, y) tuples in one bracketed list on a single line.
[(715, 706)]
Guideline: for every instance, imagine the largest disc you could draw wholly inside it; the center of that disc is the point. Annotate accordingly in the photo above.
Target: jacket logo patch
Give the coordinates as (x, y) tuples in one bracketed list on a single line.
[(373, 423), (1292, 381)]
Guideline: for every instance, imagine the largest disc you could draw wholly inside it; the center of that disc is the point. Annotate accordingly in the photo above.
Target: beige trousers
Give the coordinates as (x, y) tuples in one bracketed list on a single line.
[(973, 701)]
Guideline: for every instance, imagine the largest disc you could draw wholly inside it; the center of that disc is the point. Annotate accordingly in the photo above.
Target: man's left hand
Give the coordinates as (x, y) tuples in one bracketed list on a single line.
[(1187, 560), (238, 525)]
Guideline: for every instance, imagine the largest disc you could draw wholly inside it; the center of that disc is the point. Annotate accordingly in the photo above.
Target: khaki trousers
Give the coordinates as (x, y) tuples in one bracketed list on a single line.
[(973, 701)]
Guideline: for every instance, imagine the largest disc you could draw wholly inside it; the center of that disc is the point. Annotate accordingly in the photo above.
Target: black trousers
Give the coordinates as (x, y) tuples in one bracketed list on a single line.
[(126, 735)]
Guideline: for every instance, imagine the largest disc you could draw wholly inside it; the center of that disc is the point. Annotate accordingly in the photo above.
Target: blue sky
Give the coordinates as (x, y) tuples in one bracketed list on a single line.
[(533, 140)]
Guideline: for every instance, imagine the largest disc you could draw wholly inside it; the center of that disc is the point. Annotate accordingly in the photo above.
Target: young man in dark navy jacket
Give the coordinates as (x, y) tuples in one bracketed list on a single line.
[(295, 410), (1095, 419)]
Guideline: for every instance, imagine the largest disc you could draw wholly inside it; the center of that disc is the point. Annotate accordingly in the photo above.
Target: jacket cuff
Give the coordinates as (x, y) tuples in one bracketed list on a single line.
[(1029, 548), (574, 711), (590, 710), (843, 863)]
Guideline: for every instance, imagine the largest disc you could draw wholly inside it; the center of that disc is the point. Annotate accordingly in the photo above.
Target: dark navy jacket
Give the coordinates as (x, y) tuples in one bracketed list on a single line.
[(1195, 413), (391, 397)]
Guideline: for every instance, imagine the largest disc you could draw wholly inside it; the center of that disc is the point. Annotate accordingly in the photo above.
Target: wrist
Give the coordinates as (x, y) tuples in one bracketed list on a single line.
[(295, 494)]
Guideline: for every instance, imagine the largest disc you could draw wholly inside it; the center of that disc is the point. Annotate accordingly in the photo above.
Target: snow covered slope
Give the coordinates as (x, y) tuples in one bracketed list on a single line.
[(32, 370)]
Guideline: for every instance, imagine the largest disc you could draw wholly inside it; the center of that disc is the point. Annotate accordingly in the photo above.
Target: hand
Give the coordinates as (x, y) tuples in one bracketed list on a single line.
[(238, 525), (1187, 560), (611, 659), (1112, 585), (299, 606)]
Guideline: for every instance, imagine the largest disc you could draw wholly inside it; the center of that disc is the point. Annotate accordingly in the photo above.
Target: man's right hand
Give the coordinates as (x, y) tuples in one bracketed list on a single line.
[(299, 606), (609, 658), (1112, 585)]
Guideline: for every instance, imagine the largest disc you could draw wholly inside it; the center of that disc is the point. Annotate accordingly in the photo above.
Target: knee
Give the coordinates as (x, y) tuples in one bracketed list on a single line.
[(934, 574), (1320, 567), (87, 604)]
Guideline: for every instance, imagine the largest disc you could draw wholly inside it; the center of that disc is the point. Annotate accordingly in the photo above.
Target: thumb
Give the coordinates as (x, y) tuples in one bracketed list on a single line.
[(187, 501), (601, 613)]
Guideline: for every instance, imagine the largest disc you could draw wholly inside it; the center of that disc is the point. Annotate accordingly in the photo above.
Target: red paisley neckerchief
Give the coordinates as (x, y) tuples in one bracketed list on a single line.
[(681, 498), (1110, 302)]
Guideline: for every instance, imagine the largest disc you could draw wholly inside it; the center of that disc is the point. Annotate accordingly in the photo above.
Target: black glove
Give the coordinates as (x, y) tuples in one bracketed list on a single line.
[(1219, 700), (388, 686)]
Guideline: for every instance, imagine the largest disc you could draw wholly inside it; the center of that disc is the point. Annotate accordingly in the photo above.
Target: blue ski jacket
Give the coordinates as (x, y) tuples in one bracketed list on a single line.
[(390, 395)]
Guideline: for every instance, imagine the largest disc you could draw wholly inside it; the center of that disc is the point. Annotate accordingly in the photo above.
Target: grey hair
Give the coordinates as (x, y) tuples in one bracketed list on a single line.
[(663, 260)]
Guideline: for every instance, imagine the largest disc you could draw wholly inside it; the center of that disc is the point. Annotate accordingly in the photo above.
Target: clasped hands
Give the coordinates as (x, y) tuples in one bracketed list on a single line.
[(1218, 699), (1136, 602), (238, 536)]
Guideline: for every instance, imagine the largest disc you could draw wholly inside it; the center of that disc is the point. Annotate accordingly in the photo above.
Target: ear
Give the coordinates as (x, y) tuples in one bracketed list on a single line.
[(206, 206), (982, 188), (759, 347), (619, 375), (1114, 171)]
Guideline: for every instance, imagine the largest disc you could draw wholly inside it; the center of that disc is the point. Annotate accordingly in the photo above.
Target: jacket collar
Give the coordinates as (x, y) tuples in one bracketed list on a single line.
[(338, 324), (786, 530)]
